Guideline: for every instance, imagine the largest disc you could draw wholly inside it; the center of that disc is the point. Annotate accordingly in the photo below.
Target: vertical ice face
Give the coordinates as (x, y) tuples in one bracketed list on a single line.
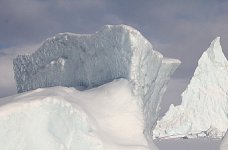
[(86, 61), (152, 99), (204, 107)]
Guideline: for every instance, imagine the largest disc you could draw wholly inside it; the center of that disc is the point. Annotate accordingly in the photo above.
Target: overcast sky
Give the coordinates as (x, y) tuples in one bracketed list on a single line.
[(181, 29)]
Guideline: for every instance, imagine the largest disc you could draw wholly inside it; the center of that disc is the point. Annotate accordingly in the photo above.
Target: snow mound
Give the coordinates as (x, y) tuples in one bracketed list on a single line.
[(61, 118), (87, 61), (204, 107), (224, 144)]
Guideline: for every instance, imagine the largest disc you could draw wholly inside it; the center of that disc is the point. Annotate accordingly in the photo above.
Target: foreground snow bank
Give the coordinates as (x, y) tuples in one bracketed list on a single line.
[(204, 107), (60, 118), (224, 144), (86, 61)]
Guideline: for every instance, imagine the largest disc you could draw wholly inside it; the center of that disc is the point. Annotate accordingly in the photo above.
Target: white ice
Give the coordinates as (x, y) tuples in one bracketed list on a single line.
[(204, 107), (87, 61), (60, 118)]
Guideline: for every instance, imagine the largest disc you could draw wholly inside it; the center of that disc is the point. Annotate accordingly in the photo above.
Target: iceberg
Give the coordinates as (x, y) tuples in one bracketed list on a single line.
[(85, 61), (204, 108), (61, 118)]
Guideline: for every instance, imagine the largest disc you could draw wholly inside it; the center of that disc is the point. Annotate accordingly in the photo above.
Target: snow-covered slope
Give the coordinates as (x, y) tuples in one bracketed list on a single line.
[(224, 144), (61, 118), (86, 61), (204, 107)]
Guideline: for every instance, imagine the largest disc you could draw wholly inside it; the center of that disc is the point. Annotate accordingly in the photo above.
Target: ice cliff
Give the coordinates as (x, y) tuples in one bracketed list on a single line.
[(87, 61), (60, 118), (204, 107)]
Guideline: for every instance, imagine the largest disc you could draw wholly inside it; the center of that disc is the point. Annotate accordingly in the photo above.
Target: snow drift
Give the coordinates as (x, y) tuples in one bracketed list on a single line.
[(86, 61), (204, 107), (61, 118)]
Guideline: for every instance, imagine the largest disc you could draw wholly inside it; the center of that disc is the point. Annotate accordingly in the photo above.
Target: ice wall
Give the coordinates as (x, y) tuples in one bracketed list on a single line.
[(204, 107), (86, 61)]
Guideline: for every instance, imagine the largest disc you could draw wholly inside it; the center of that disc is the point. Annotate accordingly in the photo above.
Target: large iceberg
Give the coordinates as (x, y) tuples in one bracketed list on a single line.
[(204, 108), (60, 118), (87, 61)]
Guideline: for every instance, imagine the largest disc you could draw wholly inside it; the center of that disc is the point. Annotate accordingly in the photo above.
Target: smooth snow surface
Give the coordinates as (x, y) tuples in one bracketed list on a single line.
[(86, 61), (60, 118), (224, 144), (204, 107)]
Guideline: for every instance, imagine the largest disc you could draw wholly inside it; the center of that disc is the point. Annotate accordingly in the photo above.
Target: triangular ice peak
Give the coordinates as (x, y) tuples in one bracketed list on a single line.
[(204, 107), (214, 52), (211, 58)]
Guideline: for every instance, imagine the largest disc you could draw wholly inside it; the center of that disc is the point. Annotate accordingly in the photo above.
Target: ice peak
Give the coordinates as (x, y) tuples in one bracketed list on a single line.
[(215, 52), (203, 101), (123, 26)]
